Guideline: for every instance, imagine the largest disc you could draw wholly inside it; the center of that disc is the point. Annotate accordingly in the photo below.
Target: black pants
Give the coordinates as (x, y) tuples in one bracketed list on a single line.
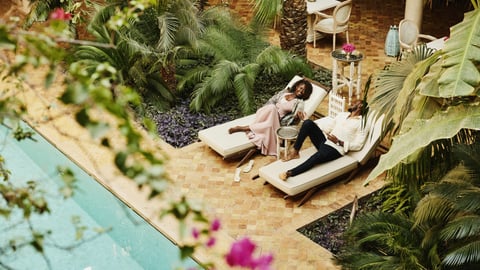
[(324, 152)]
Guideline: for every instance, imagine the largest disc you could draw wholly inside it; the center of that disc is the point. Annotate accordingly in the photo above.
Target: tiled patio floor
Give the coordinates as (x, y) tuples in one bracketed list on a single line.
[(250, 208)]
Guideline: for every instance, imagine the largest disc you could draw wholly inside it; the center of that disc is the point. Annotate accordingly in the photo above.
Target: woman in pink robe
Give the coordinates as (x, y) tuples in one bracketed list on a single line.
[(262, 132)]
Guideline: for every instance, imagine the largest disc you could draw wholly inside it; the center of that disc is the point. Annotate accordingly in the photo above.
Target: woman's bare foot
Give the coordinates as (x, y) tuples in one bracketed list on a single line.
[(292, 155), (238, 129), (284, 175)]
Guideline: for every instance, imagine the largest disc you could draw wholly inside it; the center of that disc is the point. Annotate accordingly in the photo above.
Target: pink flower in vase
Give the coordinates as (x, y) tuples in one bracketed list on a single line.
[(348, 48)]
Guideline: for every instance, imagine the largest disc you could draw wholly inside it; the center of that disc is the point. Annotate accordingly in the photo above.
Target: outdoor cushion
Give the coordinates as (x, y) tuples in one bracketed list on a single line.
[(229, 145)]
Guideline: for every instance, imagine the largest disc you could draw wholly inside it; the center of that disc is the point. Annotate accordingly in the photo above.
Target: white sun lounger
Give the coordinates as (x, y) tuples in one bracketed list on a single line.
[(237, 144), (309, 181)]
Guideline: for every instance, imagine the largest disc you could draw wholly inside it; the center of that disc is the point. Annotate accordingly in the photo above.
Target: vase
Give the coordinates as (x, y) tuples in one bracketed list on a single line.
[(392, 44), (347, 55)]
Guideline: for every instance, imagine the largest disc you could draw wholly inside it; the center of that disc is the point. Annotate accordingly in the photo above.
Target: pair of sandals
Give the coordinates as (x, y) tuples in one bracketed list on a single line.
[(246, 169)]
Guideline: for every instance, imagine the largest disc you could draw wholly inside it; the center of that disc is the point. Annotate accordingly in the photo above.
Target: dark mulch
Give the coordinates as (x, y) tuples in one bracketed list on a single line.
[(328, 231)]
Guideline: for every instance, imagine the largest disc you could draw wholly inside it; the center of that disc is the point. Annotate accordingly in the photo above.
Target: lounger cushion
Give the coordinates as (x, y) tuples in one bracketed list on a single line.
[(325, 172), (228, 145), (225, 144), (309, 179)]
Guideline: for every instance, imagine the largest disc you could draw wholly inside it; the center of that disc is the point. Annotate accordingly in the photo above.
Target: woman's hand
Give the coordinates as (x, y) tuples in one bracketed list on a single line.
[(334, 139), (301, 115)]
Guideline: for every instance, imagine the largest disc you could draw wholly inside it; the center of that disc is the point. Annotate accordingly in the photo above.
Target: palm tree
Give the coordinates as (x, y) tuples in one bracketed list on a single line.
[(293, 22), (229, 59), (455, 221)]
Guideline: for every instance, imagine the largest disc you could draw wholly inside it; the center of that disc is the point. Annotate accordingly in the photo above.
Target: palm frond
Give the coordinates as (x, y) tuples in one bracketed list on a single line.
[(461, 228), (39, 11), (277, 61), (265, 11), (167, 27), (389, 85), (243, 85), (465, 255), (192, 77), (222, 44), (381, 240), (97, 26), (94, 53), (433, 210), (214, 87)]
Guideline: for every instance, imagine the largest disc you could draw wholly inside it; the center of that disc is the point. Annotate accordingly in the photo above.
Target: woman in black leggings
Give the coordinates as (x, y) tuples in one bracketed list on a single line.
[(346, 134)]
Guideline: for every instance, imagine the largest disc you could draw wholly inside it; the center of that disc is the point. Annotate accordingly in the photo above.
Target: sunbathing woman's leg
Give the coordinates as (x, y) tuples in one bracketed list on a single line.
[(238, 129)]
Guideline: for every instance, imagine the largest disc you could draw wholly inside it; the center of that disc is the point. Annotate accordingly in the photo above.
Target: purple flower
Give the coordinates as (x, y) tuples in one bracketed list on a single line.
[(263, 262), (348, 47), (215, 225), (241, 253), (195, 233), (211, 242)]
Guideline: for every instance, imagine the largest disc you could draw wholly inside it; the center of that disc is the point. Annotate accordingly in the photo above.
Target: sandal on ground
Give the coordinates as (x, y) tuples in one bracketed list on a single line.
[(236, 178), (249, 166)]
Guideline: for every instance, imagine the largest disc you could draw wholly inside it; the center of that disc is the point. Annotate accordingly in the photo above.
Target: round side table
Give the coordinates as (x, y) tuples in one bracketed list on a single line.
[(354, 62), (285, 134)]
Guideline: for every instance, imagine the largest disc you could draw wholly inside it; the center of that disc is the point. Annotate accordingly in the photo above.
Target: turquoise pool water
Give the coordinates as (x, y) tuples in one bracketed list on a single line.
[(132, 243)]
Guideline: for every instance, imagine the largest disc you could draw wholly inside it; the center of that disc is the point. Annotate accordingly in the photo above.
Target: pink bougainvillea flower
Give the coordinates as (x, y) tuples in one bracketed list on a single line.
[(263, 262), (241, 253), (60, 14), (195, 233), (211, 242), (215, 225), (348, 47)]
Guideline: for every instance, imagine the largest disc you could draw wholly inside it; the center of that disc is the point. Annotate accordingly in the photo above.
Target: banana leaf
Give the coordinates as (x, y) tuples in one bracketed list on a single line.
[(443, 125), (459, 74)]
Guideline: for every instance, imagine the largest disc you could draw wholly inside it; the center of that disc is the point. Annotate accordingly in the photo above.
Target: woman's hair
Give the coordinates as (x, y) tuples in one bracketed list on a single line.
[(308, 88)]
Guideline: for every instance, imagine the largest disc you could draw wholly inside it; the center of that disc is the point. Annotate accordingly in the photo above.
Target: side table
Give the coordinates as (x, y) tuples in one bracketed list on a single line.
[(285, 134), (354, 62)]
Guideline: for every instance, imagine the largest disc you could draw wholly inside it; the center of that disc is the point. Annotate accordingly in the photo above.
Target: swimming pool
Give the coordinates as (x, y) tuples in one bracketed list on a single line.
[(132, 243)]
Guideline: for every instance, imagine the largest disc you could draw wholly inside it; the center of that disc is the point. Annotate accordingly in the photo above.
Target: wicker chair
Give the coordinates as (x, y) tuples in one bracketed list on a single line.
[(335, 23)]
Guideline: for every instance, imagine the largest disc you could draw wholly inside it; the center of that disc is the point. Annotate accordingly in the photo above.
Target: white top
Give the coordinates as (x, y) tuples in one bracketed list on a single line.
[(320, 5), (349, 130)]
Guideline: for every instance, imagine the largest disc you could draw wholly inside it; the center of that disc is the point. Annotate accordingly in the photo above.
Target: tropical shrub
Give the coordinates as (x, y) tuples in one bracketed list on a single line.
[(434, 110), (229, 59)]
